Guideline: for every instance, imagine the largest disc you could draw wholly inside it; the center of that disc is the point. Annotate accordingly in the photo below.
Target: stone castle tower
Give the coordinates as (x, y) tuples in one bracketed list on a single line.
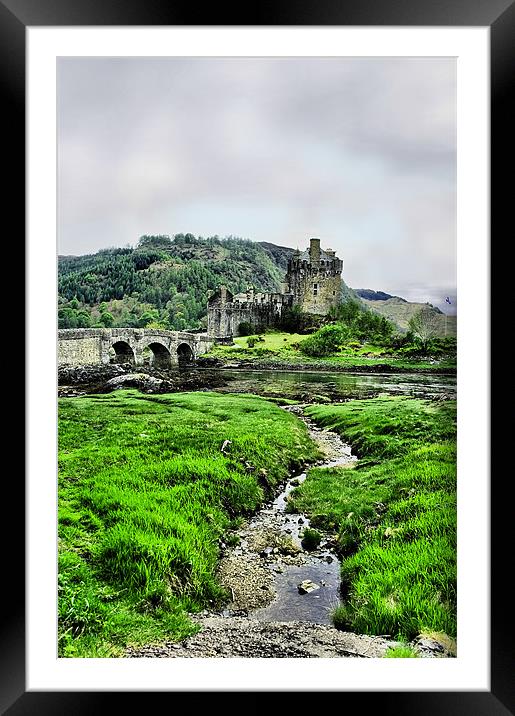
[(313, 282), (314, 278)]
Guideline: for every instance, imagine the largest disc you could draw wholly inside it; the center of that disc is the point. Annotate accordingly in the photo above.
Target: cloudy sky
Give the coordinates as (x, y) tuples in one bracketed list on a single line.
[(360, 152)]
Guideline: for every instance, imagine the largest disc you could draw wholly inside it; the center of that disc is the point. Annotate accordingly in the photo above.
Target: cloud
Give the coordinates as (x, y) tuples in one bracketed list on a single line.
[(360, 151)]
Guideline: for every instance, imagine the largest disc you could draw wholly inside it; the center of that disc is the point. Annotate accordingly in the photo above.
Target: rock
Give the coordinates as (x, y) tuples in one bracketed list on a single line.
[(134, 380), (225, 444), (307, 586), (267, 552)]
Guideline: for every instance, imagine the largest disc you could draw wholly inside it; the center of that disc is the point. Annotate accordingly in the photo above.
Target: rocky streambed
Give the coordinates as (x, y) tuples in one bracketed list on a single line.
[(281, 594)]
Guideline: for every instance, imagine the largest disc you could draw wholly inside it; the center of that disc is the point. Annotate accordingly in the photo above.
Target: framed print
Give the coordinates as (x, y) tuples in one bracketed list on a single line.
[(81, 80)]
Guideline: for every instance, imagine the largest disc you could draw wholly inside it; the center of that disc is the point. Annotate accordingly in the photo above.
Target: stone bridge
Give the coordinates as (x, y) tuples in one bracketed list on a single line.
[(138, 346)]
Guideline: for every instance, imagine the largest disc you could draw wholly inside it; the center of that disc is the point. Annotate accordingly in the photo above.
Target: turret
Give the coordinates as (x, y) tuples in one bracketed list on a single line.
[(314, 250)]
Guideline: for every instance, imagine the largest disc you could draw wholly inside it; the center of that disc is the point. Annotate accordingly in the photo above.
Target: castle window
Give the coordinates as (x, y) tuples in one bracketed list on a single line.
[(314, 292)]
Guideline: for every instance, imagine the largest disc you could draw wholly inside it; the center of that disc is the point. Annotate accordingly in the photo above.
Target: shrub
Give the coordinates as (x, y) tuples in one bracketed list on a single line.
[(251, 341), (323, 342)]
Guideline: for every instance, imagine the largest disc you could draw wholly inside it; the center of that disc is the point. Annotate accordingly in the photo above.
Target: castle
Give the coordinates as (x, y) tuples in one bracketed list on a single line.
[(312, 283)]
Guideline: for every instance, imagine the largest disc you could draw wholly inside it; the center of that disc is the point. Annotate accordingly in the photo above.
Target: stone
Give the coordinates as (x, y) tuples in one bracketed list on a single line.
[(307, 586), (267, 552), (93, 346), (133, 380)]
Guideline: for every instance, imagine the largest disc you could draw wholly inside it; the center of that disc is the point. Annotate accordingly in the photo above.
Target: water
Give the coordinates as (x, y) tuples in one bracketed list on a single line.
[(336, 386), (320, 566)]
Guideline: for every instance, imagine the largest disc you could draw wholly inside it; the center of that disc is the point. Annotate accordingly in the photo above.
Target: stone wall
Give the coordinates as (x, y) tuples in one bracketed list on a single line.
[(92, 346), (79, 351), (227, 312)]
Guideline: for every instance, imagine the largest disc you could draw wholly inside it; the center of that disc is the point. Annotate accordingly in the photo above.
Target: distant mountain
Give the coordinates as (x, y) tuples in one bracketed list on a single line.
[(400, 311), (371, 295)]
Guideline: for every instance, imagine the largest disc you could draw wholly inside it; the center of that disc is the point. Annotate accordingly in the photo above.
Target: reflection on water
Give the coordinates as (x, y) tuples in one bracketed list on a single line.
[(337, 386)]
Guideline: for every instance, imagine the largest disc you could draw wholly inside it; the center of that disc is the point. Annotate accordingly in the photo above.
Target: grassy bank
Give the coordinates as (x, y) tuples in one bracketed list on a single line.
[(281, 349), (395, 514), (146, 495)]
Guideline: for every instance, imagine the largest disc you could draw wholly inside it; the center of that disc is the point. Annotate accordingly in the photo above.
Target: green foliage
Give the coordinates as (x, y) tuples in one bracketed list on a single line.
[(424, 324), (352, 324), (323, 342), (251, 341), (310, 539), (401, 652), (294, 320), (340, 618), (395, 513), (145, 497), (155, 242), (170, 276), (361, 323)]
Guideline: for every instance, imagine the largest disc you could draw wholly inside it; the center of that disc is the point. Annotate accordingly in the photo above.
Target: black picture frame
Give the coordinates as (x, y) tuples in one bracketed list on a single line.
[(499, 16)]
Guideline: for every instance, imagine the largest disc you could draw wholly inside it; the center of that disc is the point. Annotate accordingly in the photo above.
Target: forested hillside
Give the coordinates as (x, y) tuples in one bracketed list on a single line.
[(162, 282)]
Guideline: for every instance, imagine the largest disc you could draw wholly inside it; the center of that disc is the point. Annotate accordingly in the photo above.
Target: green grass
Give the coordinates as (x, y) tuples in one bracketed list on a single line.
[(400, 652), (395, 513), (282, 348), (311, 539), (145, 498)]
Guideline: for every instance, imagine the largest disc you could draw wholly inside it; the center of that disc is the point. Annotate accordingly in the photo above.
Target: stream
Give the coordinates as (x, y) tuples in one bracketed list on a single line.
[(270, 615), (318, 569)]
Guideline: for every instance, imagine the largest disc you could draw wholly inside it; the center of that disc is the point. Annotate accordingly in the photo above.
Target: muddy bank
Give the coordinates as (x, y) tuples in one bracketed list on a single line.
[(226, 637), (83, 380)]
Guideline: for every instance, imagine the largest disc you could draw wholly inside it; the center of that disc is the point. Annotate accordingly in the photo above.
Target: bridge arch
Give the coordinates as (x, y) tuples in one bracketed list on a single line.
[(157, 355), (121, 352), (185, 355)]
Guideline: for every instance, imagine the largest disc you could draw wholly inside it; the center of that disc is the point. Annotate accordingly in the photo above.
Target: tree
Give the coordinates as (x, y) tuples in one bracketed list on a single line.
[(106, 319), (160, 241), (424, 324)]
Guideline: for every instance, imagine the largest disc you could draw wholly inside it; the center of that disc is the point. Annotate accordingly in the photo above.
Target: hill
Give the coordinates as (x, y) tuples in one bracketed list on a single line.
[(164, 282), (371, 295), (400, 311)]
